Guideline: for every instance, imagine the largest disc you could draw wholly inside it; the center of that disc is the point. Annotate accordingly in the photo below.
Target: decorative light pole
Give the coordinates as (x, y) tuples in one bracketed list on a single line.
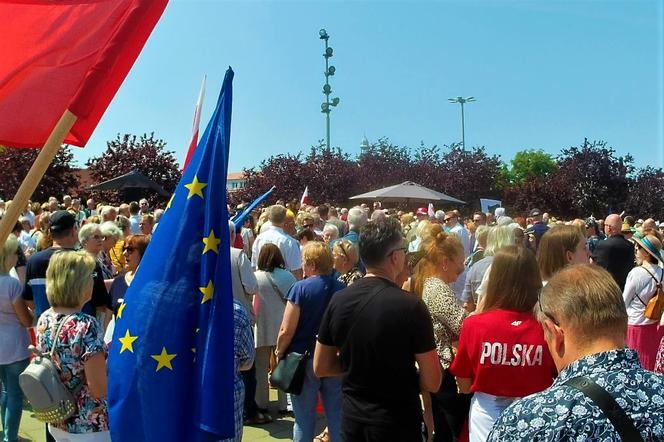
[(462, 101), (327, 89)]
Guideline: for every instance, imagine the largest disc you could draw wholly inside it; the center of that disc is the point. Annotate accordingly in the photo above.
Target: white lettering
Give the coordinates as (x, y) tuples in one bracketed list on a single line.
[(486, 351), (538, 356), (516, 351), (496, 350), (499, 353)]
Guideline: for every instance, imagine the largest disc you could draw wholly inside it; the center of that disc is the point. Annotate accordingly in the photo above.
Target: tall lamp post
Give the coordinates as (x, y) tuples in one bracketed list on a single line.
[(462, 101), (327, 89)]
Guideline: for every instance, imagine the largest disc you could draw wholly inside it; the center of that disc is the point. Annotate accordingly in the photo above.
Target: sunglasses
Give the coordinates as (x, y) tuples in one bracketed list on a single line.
[(549, 316)]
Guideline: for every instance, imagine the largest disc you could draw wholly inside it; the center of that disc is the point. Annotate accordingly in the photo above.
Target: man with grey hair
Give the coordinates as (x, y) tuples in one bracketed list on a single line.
[(108, 213), (357, 218), (439, 216), (602, 392), (274, 234)]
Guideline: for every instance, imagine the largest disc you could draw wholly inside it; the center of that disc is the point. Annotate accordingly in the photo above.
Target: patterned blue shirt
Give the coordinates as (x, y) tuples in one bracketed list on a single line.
[(563, 413)]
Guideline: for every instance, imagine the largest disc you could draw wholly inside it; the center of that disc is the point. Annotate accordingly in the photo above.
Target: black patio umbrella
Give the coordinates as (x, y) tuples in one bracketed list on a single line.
[(406, 192), (134, 185)]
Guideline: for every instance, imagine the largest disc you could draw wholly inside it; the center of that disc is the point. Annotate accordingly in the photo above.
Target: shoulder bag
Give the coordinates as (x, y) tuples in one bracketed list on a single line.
[(655, 305), (290, 371), (623, 424), (51, 401)]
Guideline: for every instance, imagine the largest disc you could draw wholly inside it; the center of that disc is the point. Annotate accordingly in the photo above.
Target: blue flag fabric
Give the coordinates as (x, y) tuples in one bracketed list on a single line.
[(239, 219), (171, 362)]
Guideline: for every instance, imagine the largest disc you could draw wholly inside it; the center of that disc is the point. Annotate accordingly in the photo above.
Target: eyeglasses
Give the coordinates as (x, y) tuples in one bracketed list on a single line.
[(97, 237), (539, 303), (396, 250)]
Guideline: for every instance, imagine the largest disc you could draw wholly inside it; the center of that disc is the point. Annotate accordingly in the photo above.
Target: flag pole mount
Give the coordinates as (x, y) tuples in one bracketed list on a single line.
[(36, 173)]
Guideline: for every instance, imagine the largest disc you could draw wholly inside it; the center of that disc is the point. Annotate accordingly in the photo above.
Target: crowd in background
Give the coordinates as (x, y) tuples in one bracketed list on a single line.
[(423, 324)]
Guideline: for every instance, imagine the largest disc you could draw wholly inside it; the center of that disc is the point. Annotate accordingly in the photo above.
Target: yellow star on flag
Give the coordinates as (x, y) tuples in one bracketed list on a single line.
[(211, 243), (195, 188), (127, 341), (207, 292), (164, 359), (121, 309)]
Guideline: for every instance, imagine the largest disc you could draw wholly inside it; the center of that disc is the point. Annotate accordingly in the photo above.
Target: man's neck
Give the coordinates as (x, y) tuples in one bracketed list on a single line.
[(379, 273), (600, 345), (62, 245)]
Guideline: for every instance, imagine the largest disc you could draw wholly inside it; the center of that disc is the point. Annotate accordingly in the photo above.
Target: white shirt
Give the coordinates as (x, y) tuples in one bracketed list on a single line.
[(464, 236), (640, 284), (288, 246)]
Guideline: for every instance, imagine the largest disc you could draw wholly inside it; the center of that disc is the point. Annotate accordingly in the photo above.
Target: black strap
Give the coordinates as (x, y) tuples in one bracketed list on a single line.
[(358, 309), (657, 286), (623, 424)]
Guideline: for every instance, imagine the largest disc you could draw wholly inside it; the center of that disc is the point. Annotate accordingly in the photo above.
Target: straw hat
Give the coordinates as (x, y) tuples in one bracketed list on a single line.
[(649, 246)]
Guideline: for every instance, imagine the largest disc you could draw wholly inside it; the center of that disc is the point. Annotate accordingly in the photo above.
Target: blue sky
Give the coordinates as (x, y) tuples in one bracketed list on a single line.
[(546, 74)]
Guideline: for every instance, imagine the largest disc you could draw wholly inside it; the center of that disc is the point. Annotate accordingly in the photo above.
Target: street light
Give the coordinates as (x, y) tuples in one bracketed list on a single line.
[(326, 107), (462, 101)]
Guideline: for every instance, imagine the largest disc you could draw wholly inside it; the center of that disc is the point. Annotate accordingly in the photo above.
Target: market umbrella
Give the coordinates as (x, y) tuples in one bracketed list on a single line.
[(407, 192), (132, 183)]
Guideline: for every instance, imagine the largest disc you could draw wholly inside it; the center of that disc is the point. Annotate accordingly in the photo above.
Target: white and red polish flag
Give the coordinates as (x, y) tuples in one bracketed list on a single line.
[(197, 122), (305, 197)]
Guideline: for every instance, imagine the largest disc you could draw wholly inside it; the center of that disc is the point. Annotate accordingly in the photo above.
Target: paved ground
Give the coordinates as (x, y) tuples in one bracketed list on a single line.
[(280, 429)]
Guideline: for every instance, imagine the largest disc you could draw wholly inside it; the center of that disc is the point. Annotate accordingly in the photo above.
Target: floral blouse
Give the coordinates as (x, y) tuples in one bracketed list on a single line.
[(80, 338), (447, 316)]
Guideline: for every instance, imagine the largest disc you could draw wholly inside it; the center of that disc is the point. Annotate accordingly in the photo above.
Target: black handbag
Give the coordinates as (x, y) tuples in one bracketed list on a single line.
[(289, 373)]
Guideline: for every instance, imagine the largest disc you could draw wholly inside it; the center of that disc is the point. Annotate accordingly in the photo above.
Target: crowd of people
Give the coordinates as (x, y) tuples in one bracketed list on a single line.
[(422, 325)]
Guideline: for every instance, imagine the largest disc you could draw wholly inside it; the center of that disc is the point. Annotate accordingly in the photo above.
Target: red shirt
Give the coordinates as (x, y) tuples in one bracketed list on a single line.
[(504, 353)]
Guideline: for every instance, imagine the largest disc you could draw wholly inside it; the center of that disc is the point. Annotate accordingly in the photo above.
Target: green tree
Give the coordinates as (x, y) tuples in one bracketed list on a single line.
[(529, 164)]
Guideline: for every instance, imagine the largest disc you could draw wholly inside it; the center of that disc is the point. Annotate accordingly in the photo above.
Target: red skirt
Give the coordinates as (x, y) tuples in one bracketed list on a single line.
[(645, 340)]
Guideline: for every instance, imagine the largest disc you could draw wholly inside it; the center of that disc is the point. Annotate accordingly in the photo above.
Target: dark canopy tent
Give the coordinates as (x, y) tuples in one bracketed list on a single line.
[(407, 192), (133, 185)]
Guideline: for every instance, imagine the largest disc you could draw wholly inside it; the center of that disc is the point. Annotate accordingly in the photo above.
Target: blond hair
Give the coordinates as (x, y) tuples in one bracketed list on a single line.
[(68, 275), (436, 244), (347, 249), (9, 248), (586, 298), (317, 254)]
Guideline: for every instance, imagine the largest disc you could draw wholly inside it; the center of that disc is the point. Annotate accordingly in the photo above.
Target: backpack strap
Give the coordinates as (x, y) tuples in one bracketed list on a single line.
[(658, 285), (57, 335), (623, 424)]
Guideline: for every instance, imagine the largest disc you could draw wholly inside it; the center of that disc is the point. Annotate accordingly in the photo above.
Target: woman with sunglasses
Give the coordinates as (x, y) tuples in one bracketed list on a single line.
[(346, 258), (643, 334), (133, 251), (502, 355)]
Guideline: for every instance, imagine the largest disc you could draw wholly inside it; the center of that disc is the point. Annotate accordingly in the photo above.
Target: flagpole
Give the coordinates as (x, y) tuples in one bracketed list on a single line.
[(36, 173)]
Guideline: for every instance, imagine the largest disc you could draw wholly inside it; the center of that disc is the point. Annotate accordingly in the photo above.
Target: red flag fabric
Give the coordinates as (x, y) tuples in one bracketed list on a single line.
[(305, 197), (197, 122), (69, 54)]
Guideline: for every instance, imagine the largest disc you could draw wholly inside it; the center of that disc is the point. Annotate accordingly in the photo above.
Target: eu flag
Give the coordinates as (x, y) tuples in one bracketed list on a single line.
[(171, 362)]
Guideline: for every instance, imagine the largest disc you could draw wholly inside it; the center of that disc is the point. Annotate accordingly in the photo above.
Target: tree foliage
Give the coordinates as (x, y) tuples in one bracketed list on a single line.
[(646, 193), (530, 164), (58, 180), (147, 155)]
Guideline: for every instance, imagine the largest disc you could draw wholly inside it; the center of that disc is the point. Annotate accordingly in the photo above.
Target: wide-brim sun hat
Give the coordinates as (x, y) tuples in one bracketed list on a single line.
[(648, 247)]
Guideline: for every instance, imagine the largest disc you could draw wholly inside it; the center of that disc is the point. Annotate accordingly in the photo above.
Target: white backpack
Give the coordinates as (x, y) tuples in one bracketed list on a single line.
[(51, 401)]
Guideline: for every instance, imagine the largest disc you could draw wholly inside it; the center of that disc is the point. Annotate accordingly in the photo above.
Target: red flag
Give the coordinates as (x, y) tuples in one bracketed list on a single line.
[(305, 197), (69, 54), (197, 122)]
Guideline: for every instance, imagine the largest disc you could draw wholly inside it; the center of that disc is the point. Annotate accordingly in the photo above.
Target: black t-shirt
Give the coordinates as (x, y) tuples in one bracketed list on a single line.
[(380, 382), (35, 284)]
